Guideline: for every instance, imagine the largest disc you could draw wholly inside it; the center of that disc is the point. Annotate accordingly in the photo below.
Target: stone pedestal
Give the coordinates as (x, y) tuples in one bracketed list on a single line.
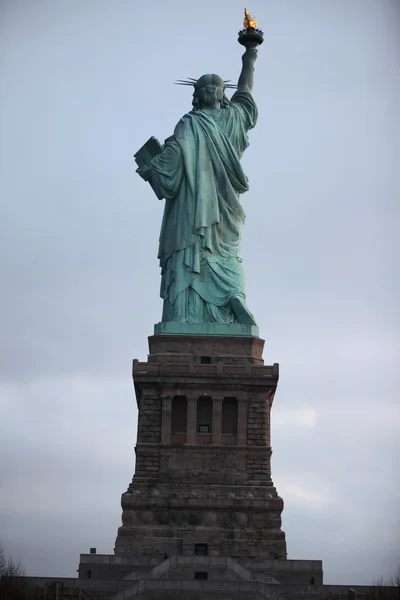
[(202, 482)]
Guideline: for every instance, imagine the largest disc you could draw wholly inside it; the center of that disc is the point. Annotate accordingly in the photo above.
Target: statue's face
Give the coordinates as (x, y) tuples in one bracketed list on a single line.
[(209, 89)]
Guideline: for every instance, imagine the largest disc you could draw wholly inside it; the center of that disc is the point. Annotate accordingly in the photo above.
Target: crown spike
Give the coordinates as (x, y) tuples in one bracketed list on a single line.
[(192, 83), (186, 82)]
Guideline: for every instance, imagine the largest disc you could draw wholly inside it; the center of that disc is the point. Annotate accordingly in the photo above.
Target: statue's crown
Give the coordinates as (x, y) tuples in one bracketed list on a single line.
[(208, 79)]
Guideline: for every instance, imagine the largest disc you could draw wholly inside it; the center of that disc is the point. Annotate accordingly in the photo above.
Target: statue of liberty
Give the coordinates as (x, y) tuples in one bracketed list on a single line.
[(199, 174)]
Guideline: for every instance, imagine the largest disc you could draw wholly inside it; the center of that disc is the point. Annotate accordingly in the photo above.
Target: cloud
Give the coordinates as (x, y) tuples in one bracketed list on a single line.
[(301, 417), (65, 435), (301, 495)]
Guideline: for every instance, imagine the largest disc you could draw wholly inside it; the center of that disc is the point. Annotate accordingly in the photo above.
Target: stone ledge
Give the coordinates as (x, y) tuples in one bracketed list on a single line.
[(206, 329), (169, 369)]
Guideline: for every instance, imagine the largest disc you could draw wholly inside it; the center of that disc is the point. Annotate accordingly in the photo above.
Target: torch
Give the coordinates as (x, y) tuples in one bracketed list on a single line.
[(250, 36)]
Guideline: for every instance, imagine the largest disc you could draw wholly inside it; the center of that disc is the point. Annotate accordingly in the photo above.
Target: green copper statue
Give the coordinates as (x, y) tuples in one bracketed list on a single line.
[(199, 174)]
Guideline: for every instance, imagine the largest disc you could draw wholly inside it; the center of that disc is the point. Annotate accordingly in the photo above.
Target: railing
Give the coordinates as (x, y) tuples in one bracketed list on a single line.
[(58, 591)]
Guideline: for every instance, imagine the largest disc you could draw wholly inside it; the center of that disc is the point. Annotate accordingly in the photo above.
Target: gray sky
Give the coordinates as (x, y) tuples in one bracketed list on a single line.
[(84, 83)]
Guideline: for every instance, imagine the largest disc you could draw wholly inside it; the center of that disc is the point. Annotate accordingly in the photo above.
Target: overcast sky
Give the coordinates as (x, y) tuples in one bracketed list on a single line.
[(84, 83)]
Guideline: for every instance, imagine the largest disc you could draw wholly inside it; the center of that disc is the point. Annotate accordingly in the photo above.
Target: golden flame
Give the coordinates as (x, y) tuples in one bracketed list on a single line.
[(249, 21)]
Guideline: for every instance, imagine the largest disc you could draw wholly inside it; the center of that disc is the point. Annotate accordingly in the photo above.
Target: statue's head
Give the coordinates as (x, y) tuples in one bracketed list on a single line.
[(208, 90)]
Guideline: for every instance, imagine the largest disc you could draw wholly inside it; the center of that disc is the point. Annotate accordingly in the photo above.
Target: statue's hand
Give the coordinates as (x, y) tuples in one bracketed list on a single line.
[(250, 54), (144, 172)]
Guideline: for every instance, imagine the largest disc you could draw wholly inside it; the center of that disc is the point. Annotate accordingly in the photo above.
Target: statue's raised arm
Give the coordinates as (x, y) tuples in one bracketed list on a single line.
[(246, 77), (250, 37)]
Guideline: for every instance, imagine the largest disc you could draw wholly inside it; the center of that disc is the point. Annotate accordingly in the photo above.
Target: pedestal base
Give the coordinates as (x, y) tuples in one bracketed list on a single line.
[(202, 479)]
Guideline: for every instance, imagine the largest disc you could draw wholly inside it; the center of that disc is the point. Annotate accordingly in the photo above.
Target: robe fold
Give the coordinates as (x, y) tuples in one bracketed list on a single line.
[(200, 176)]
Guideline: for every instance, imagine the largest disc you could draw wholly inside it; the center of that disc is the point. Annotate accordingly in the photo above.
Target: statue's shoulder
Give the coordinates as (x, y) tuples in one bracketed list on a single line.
[(184, 127), (242, 95), (244, 105)]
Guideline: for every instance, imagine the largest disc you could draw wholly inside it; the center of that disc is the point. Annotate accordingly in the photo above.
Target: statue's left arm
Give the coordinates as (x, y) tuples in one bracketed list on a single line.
[(246, 76), (165, 172)]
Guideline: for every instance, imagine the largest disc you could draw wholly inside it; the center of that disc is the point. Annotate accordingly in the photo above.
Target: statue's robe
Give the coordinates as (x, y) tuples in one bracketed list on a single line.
[(200, 176)]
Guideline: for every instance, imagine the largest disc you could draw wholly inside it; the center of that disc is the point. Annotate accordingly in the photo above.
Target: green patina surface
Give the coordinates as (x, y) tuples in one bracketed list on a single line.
[(198, 173), (232, 329)]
